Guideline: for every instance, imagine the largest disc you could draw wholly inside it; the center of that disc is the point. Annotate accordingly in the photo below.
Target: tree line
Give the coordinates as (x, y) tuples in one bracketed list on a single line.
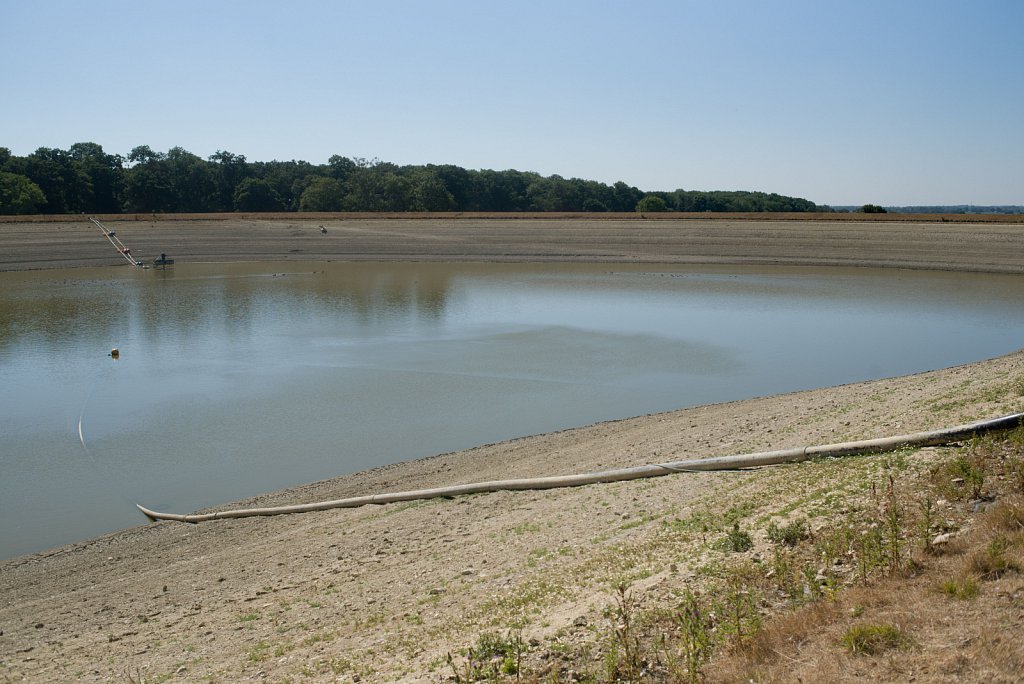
[(86, 179)]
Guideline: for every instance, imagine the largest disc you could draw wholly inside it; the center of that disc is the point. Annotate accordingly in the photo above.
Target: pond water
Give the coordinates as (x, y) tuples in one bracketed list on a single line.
[(238, 379)]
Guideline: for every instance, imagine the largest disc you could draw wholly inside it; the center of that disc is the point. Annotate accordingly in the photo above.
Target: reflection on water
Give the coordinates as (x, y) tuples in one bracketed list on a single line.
[(236, 379), (101, 304)]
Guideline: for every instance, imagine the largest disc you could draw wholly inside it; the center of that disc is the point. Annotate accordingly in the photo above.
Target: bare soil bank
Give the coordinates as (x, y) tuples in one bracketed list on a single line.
[(384, 593), (60, 242)]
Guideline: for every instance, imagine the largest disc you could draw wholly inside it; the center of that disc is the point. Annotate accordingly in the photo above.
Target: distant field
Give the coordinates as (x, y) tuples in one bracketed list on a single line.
[(991, 243), (605, 216)]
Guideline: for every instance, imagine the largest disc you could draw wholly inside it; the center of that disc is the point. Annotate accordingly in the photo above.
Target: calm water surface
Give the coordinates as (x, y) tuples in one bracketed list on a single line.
[(238, 379)]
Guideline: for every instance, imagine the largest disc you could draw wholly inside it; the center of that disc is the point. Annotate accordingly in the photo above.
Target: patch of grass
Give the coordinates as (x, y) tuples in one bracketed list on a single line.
[(740, 616), (700, 522), (489, 658), (318, 637), (696, 641), (535, 556), (962, 588), (991, 562), (736, 540), (961, 478), (739, 512), (1008, 516), (637, 522), (259, 652), (528, 598), (788, 535), (868, 639)]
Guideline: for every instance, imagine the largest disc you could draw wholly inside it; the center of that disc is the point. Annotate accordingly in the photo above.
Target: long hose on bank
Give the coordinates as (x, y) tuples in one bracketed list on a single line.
[(943, 436)]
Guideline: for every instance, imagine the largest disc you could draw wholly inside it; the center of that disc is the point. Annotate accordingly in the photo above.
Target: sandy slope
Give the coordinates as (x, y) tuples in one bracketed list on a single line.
[(383, 593)]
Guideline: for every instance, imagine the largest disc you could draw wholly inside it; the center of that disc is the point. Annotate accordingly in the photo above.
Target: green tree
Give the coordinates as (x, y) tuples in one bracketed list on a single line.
[(229, 170), (555, 194), (196, 183), (288, 179), (500, 190), (429, 192), (143, 154), (106, 175), (147, 183), (254, 194), (66, 187), (457, 181), (378, 186), (651, 203), (323, 194), (624, 197), (396, 193), (873, 209), (19, 195), (148, 188), (341, 167)]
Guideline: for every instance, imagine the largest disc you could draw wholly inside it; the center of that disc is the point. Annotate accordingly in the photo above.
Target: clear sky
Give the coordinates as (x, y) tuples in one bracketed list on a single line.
[(889, 102)]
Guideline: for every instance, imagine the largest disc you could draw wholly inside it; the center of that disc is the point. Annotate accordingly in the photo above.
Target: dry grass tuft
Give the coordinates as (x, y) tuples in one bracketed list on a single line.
[(991, 561), (874, 639), (963, 588), (1007, 515)]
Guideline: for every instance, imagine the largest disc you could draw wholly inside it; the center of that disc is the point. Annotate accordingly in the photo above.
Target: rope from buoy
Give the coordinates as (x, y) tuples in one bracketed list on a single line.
[(918, 439)]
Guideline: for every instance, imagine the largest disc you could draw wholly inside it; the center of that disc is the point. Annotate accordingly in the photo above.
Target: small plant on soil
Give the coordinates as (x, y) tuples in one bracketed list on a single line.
[(991, 562), (624, 658), (492, 657), (696, 640), (867, 639), (961, 478), (962, 588), (741, 618), (1008, 515), (893, 515), (736, 540), (788, 535), (926, 523)]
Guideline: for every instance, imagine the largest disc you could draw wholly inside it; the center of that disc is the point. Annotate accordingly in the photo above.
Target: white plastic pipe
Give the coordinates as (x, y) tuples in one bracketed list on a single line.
[(764, 458)]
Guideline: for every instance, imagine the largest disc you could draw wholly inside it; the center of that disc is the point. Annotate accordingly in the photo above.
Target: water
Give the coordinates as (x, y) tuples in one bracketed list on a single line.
[(238, 379)]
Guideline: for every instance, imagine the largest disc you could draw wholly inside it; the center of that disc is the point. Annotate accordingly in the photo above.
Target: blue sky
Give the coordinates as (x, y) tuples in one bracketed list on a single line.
[(838, 102)]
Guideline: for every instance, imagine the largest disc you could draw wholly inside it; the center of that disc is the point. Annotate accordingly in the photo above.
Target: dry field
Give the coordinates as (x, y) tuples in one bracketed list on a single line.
[(981, 244)]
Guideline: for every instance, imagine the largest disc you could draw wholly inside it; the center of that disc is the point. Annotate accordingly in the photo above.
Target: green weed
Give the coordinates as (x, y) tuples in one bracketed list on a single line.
[(788, 535), (868, 639), (991, 562), (963, 588), (736, 540), (696, 641), (493, 655)]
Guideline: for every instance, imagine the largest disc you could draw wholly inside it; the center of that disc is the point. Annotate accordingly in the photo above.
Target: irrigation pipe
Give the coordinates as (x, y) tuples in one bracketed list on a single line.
[(765, 458), (118, 245)]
